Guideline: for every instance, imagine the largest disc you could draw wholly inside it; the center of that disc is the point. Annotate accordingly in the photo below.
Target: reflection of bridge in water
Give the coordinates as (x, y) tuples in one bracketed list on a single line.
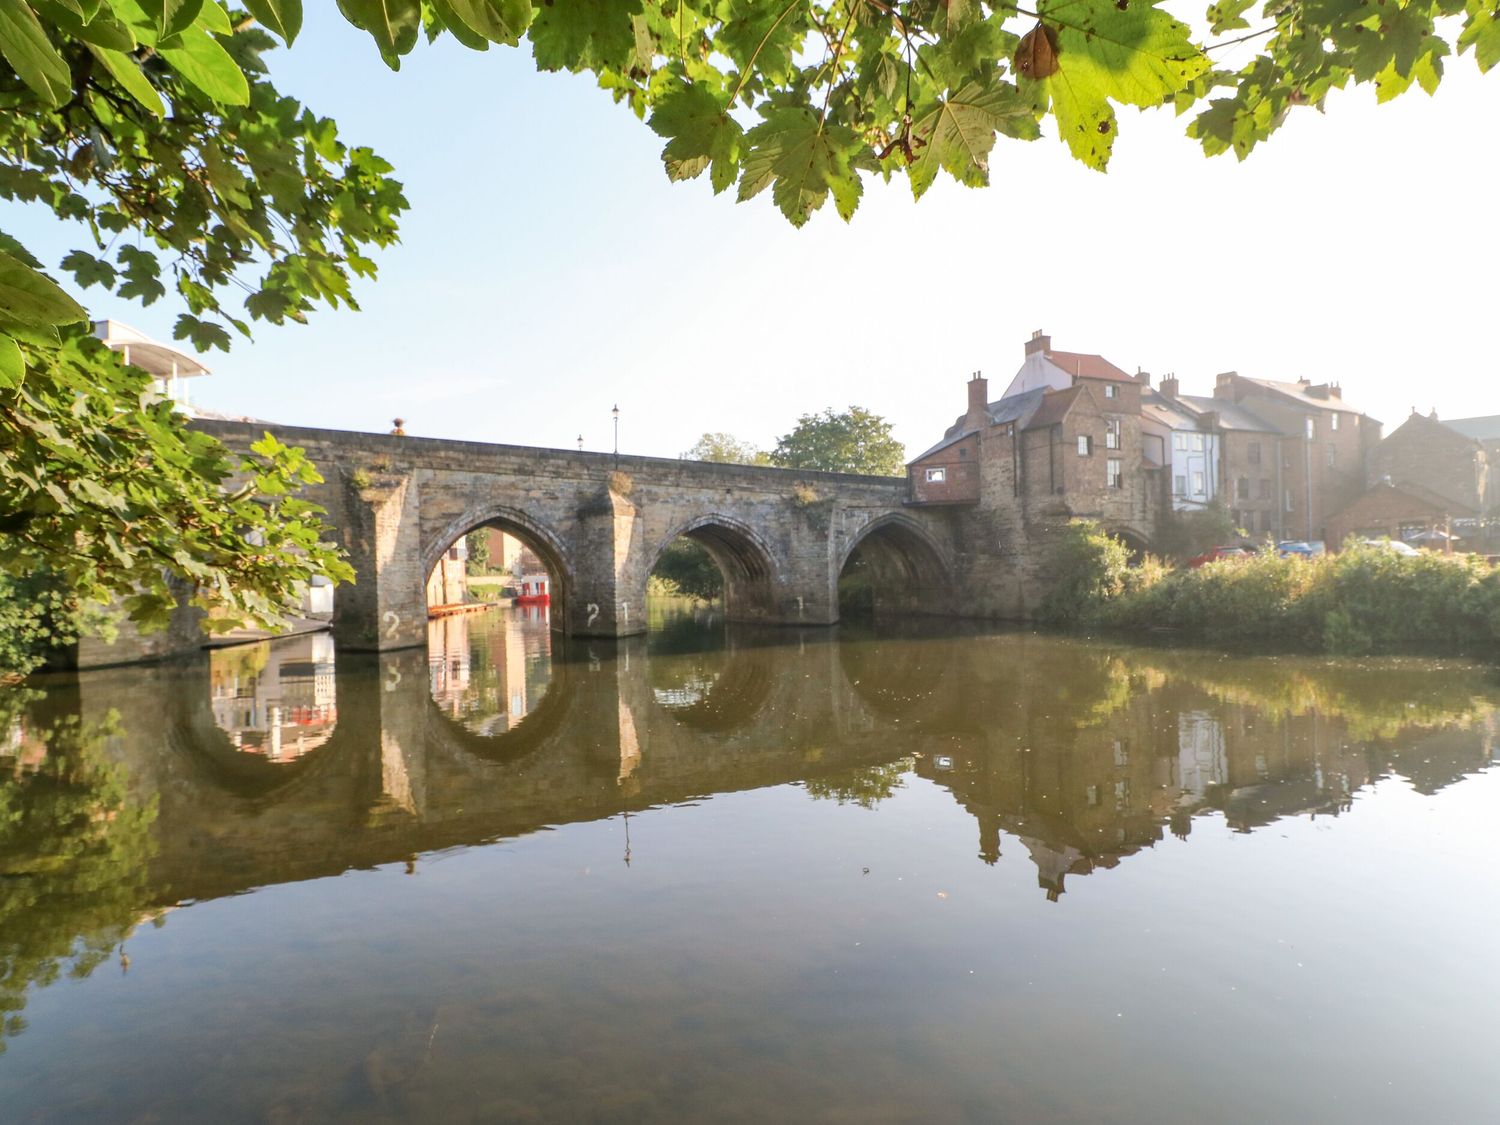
[(1080, 754)]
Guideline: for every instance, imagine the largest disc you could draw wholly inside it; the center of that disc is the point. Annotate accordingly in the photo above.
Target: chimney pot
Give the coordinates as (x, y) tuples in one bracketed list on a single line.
[(979, 395), (1169, 386), (1040, 343)]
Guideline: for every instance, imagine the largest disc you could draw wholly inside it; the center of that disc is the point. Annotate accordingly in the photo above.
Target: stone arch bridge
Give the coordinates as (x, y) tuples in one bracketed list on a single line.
[(600, 522)]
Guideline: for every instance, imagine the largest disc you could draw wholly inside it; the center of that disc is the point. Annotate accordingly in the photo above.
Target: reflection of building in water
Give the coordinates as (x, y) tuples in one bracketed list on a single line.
[(490, 670), (275, 698)]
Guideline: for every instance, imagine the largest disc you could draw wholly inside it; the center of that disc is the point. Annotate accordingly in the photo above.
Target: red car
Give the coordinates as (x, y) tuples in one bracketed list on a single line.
[(1215, 553)]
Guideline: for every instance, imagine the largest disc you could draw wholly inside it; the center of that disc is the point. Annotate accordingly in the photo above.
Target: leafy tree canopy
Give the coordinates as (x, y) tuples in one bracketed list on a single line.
[(726, 449), (852, 441)]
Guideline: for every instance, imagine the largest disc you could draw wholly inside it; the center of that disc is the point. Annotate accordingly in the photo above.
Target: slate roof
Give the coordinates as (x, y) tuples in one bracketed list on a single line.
[(1486, 428), (1053, 409), (1012, 408), (1301, 394), (1232, 416)]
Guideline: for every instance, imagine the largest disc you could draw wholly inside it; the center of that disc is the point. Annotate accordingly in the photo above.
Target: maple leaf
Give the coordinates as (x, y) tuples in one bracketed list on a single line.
[(1128, 52), (584, 34), (700, 134), (956, 133), (803, 160), (1482, 32)]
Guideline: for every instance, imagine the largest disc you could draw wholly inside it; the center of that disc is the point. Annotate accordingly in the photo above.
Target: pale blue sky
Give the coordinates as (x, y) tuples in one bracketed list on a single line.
[(548, 269)]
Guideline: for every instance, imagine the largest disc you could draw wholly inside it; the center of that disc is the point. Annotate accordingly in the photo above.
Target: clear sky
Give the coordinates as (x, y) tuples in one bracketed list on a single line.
[(548, 269)]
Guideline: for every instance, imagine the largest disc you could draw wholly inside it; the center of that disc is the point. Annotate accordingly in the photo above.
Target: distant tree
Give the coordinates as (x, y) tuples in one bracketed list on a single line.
[(1186, 534), (689, 570), (854, 441), (478, 543), (726, 449)]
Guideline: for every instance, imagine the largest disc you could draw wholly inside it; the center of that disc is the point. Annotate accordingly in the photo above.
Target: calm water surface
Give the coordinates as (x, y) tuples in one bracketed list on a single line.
[(723, 875)]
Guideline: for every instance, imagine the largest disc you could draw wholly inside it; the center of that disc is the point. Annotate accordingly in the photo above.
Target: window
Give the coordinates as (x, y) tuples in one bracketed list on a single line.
[(1085, 445), (1112, 433), (1242, 488), (1312, 428), (1114, 476), (1333, 420), (1197, 443), (937, 476), (1111, 391), (1248, 523), (1198, 482), (1265, 488), (453, 553), (1333, 457), (1252, 453), (1289, 499), (1179, 442), (1179, 485), (962, 453)]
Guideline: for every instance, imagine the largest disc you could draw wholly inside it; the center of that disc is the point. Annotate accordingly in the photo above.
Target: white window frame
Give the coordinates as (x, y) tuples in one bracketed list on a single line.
[(1114, 473), (1112, 433), (1200, 486), (1111, 391), (937, 476)]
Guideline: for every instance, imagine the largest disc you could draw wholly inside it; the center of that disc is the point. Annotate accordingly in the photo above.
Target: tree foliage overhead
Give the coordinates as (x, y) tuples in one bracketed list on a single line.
[(850, 441)]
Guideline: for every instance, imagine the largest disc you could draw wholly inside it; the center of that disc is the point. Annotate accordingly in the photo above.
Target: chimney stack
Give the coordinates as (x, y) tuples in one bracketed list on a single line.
[(1039, 343), (1169, 387), (1143, 377), (1224, 384), (979, 399)]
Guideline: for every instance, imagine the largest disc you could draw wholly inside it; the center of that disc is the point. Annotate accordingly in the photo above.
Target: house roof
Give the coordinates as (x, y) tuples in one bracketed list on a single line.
[(1425, 497), (1053, 409), (1486, 428), (1086, 365), (1012, 408), (1305, 395), (1159, 408), (1232, 416)]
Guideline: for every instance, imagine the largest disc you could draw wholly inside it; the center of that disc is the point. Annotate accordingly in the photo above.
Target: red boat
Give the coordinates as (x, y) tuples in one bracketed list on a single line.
[(534, 590)]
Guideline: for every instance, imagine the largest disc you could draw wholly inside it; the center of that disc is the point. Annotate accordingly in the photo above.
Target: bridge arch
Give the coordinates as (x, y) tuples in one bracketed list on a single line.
[(742, 556), (540, 538), (894, 563), (1138, 543)]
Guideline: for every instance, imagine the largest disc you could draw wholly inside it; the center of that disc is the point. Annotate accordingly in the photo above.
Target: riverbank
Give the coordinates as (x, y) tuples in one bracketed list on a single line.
[(1365, 599)]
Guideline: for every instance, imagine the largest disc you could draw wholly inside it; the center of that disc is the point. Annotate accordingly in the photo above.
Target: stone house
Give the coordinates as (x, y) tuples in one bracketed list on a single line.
[(1058, 446), (1439, 458)]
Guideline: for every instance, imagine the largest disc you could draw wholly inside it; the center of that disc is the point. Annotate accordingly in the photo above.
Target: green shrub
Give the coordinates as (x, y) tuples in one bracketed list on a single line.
[(1364, 599)]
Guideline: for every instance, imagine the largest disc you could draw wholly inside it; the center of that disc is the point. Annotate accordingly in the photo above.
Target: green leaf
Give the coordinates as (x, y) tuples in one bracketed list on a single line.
[(203, 62), (700, 134), (803, 160), (171, 17), (395, 25), (127, 72), (283, 17), (103, 30), (956, 133), (1125, 51), (30, 299), (214, 19), (501, 21), (26, 47), (1482, 32), (764, 35), (204, 334), (89, 270), (585, 35), (12, 362)]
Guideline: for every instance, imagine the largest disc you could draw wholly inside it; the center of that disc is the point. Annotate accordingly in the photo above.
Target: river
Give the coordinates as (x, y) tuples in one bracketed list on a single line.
[(911, 874)]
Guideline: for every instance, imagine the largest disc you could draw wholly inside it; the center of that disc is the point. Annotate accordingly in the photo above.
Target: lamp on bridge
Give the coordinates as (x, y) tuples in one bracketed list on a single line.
[(580, 443), (616, 413)]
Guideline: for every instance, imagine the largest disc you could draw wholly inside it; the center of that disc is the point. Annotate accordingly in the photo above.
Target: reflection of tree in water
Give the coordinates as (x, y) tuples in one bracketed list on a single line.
[(865, 786), (73, 851)]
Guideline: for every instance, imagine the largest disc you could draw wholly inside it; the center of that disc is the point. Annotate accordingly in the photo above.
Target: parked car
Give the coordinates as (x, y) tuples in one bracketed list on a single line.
[(1299, 547), (1213, 554), (1395, 545)]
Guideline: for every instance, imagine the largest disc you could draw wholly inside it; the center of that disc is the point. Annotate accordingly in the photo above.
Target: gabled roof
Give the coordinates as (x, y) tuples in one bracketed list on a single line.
[(1167, 412), (1054, 408), (1232, 416), (1486, 428), (1086, 365)]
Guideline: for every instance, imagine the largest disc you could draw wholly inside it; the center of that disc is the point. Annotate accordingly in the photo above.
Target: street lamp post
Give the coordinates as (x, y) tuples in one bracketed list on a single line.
[(616, 413), (580, 443)]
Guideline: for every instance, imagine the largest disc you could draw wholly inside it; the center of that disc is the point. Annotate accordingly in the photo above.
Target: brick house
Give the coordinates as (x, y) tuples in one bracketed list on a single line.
[(1439, 458), (1249, 465), (1390, 511), (1324, 444)]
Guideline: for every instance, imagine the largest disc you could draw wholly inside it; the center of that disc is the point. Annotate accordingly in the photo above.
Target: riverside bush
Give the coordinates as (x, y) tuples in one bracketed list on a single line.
[(1363, 599)]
